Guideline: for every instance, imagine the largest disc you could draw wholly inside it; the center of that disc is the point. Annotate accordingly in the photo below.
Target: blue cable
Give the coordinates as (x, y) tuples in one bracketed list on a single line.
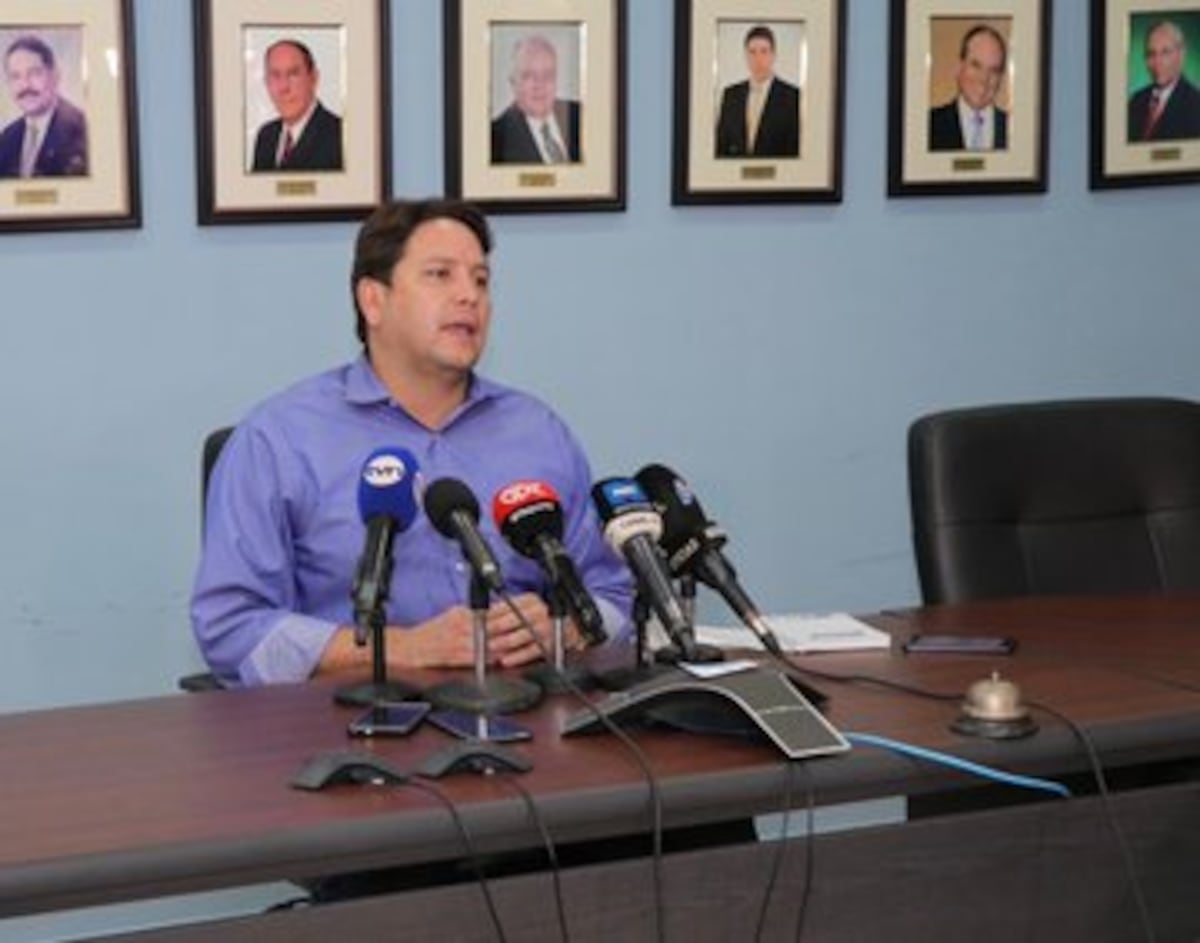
[(934, 756)]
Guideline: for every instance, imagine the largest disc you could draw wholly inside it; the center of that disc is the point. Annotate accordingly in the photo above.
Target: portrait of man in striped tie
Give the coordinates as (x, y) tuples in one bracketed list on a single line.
[(973, 119), (1167, 108), (538, 125)]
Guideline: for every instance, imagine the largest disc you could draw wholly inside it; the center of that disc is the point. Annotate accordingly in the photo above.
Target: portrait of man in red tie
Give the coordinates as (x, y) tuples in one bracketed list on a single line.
[(1167, 108), (305, 136)]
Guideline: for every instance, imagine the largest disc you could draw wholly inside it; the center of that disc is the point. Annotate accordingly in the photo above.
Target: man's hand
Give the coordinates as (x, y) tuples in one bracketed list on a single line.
[(447, 640), (509, 641)]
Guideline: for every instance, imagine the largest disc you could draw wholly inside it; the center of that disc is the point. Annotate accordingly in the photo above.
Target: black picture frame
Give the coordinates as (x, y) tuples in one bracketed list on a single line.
[(928, 39), (1127, 148), (491, 155), (89, 176), (801, 159), (345, 166)]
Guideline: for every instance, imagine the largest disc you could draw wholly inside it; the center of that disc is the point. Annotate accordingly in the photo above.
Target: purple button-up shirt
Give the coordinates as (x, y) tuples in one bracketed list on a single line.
[(283, 532)]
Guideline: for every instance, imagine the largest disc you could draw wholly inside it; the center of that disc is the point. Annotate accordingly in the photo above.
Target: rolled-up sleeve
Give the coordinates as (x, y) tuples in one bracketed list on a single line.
[(245, 595)]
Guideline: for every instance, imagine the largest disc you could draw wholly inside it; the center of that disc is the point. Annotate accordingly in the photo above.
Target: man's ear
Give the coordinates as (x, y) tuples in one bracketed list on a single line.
[(369, 294)]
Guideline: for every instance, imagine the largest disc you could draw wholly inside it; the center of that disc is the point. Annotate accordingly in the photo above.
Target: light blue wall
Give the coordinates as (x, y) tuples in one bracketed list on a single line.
[(775, 355)]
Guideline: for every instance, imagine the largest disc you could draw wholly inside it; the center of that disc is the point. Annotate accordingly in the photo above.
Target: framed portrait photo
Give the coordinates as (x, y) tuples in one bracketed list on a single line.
[(969, 97), (1145, 93), (535, 104), (68, 116), (758, 101), (292, 109)]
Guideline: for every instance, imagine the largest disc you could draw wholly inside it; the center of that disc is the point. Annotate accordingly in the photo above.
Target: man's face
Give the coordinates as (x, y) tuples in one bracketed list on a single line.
[(290, 84), (981, 71), (534, 81), (1164, 57), (32, 83), (432, 318), (760, 59)]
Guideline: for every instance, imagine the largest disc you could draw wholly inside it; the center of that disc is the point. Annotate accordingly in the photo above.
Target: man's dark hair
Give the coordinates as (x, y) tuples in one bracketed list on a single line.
[(32, 44), (759, 32), (385, 233), (305, 53), (983, 28)]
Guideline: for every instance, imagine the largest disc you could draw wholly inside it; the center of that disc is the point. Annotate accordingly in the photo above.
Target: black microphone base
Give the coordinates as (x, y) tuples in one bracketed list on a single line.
[(370, 693), (701, 654), (496, 696), (555, 681)]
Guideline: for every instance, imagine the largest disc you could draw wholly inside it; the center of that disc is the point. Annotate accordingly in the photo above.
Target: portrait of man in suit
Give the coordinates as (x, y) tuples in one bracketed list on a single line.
[(538, 126), (1168, 108), (759, 116), (49, 138), (306, 136), (972, 120)]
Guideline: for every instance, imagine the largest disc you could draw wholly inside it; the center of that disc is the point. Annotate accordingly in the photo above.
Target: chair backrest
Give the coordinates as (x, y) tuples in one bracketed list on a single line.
[(213, 443), (1068, 497)]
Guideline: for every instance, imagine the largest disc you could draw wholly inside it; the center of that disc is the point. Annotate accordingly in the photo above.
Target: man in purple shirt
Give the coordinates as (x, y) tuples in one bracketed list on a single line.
[(282, 535)]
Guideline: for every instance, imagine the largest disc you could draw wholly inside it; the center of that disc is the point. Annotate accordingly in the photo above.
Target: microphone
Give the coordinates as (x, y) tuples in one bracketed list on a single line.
[(693, 545), (454, 511), (530, 517), (388, 506), (632, 528)]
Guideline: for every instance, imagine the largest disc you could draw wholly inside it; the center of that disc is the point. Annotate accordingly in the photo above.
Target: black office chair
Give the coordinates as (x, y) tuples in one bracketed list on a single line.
[(213, 443), (1070, 497)]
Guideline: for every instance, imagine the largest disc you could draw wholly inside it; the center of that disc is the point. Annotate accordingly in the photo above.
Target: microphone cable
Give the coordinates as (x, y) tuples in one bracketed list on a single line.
[(468, 845), (777, 857), (810, 804), (810, 852), (1110, 815), (1095, 767), (547, 841), (634, 750)]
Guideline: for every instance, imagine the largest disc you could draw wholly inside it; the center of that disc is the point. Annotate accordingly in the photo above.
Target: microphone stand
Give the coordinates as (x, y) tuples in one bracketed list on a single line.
[(644, 666), (701, 654), (486, 694), (554, 678), (370, 618)]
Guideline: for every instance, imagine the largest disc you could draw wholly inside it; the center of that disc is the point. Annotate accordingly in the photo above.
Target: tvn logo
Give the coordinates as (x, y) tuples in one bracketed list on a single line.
[(385, 471)]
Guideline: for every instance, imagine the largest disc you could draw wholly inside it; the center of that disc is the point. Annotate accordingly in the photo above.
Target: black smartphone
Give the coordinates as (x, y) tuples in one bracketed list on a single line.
[(467, 726), (394, 719), (961, 644)]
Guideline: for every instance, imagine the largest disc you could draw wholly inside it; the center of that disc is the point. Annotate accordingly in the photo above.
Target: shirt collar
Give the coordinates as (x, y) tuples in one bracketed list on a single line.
[(966, 111), (364, 388), (297, 129), (42, 121)]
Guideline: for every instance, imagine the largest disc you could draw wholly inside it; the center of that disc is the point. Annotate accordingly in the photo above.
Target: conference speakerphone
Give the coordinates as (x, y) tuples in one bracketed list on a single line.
[(757, 702)]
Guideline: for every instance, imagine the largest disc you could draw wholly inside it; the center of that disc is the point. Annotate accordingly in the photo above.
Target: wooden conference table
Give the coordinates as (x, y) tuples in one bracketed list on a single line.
[(123, 801)]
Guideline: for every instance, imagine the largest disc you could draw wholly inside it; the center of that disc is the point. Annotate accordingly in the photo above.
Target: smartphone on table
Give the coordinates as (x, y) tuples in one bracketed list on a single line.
[(389, 719)]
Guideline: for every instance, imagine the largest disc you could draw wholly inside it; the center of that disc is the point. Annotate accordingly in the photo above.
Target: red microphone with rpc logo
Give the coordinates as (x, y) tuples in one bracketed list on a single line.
[(530, 517)]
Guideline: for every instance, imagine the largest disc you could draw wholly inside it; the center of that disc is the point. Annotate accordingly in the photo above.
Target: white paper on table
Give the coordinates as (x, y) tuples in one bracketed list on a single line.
[(802, 632)]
